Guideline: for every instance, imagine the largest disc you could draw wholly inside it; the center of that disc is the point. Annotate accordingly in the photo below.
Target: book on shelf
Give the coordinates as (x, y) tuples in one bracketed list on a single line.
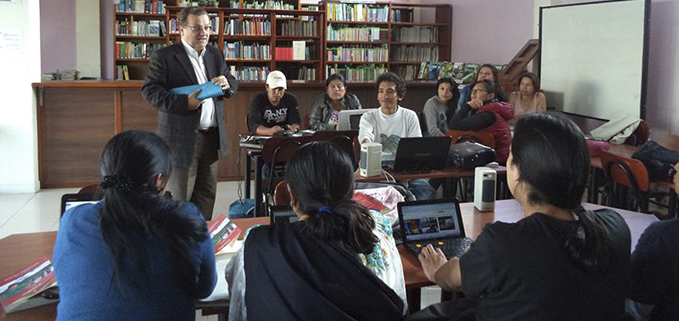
[(470, 70), (298, 50), (423, 71), (434, 69), (446, 70), (140, 6), (17, 289), (365, 73), (222, 232), (458, 71)]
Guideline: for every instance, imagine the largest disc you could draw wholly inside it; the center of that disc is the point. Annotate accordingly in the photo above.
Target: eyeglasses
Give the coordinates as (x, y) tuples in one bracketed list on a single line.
[(207, 29), (477, 90)]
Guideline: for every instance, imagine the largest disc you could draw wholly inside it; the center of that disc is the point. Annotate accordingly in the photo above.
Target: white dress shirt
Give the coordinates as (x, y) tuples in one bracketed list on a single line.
[(207, 114)]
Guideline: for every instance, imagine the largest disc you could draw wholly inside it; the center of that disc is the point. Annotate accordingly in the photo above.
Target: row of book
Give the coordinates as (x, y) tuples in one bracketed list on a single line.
[(407, 72), (238, 50), (135, 50), (298, 51), (357, 12), (359, 54), (251, 27), (214, 23), (251, 73), (461, 72), (353, 33), (268, 4), (153, 28), (402, 15), (141, 6), (299, 28), (416, 34), (122, 72), (414, 53), (366, 73), (295, 73)]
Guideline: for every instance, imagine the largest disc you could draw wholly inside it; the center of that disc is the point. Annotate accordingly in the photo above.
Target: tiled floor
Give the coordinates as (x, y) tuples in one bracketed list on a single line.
[(39, 212)]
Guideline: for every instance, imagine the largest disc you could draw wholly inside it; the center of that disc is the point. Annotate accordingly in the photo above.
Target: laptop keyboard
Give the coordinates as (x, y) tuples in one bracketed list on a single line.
[(450, 247)]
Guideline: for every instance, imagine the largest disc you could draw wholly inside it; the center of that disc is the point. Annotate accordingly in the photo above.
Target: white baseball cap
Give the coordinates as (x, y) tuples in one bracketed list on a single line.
[(276, 79)]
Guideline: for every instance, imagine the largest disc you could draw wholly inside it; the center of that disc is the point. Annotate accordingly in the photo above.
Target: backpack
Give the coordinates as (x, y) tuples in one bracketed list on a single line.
[(659, 161)]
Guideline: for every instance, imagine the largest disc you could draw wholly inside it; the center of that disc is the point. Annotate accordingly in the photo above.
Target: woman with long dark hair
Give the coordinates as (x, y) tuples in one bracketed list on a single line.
[(485, 72), (441, 107), (136, 254), (560, 262), (338, 262)]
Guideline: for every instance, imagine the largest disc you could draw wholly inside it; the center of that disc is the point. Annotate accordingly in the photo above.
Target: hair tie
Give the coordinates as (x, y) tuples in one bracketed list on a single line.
[(117, 181), (325, 209)]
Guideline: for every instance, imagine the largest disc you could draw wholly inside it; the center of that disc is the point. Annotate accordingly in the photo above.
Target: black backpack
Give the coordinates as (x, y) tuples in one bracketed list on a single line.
[(659, 161)]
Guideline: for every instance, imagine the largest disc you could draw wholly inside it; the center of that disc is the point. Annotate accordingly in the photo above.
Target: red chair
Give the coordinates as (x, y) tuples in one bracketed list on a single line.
[(482, 138), (627, 182)]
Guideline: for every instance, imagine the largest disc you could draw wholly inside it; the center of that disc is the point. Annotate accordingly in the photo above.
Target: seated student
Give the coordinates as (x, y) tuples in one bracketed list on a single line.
[(325, 110), (655, 271), (135, 255), (486, 72), (392, 119), (438, 108), (274, 110), (338, 262), (560, 262), (389, 118), (488, 115), (529, 99)]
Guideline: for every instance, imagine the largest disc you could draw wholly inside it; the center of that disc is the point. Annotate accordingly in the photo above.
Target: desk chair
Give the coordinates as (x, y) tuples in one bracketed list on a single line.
[(307, 122), (640, 135), (347, 140), (277, 151), (627, 182), (281, 196), (423, 124)]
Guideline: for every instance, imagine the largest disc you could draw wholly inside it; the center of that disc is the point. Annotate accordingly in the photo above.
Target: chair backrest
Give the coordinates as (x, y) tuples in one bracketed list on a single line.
[(478, 137), (640, 135), (94, 189), (347, 140), (625, 171), (279, 150), (306, 122), (281, 196), (423, 124)]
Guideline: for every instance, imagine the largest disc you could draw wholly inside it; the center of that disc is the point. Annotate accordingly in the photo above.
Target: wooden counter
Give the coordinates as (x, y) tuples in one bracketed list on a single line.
[(77, 118)]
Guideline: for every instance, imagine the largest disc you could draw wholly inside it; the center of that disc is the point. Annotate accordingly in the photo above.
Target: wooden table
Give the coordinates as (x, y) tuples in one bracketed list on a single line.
[(24, 249)]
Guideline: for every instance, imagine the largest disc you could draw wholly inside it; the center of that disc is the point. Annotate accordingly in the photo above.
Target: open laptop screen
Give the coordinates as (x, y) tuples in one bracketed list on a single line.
[(423, 221), (72, 200)]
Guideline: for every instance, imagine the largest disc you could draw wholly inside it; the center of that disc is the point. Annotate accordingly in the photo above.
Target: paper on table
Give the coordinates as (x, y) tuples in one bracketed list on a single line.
[(207, 90)]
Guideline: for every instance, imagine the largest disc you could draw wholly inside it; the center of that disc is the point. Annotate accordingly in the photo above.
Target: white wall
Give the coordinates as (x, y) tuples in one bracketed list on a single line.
[(20, 65), (88, 56)]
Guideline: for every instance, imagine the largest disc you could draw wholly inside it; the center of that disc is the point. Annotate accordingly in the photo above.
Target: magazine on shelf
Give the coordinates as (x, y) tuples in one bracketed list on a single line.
[(222, 232), (18, 288)]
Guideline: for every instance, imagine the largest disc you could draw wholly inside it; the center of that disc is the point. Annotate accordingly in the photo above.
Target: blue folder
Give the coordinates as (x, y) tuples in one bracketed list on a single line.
[(207, 90)]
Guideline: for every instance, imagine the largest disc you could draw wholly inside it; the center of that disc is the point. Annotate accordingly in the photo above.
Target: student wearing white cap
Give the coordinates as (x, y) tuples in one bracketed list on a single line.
[(275, 109)]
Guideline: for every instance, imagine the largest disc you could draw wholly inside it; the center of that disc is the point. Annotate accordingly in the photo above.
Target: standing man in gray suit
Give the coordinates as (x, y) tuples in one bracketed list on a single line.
[(194, 129)]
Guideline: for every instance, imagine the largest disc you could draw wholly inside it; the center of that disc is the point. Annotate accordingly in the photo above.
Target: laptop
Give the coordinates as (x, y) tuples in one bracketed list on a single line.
[(282, 214), (350, 119), (72, 200), (420, 154), (437, 222)]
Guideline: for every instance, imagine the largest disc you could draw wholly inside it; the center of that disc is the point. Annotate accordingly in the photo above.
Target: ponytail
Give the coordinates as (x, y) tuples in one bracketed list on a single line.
[(588, 245), (347, 225)]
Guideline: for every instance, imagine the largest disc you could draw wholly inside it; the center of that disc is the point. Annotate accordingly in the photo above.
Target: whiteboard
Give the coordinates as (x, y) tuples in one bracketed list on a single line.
[(593, 58)]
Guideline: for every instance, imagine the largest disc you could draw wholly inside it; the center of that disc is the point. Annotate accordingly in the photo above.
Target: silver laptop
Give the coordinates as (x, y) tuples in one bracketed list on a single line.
[(350, 119)]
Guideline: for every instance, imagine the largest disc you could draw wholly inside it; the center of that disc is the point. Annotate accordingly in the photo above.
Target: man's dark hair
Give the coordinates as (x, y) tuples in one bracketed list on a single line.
[(184, 14), (390, 76)]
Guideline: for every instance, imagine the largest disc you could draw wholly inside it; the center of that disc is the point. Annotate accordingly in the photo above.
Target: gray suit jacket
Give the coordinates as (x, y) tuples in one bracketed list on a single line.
[(169, 68)]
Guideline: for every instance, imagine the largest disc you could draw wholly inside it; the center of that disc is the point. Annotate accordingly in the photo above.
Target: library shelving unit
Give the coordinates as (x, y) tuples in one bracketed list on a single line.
[(140, 28), (255, 36), (366, 39)]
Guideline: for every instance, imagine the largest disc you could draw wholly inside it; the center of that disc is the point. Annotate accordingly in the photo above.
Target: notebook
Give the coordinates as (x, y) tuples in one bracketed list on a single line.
[(72, 200), (207, 90), (420, 154), (436, 222)]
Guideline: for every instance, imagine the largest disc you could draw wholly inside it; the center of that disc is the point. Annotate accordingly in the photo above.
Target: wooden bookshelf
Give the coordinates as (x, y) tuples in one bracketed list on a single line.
[(390, 26), (398, 26)]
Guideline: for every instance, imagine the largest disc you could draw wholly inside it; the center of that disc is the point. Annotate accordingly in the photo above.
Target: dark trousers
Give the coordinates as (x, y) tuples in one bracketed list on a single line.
[(198, 183)]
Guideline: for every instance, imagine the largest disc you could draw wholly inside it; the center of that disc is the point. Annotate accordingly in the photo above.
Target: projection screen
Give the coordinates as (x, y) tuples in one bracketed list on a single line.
[(593, 58)]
